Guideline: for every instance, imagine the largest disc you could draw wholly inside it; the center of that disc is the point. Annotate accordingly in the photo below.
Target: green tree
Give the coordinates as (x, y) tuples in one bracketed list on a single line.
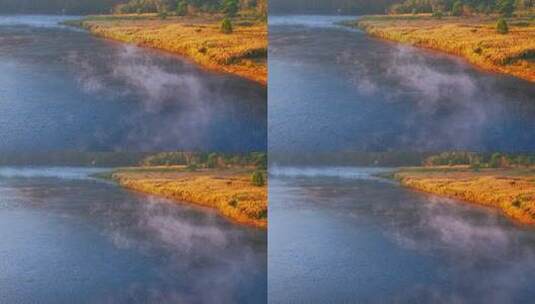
[(257, 178), (495, 160), (226, 26), (501, 26), (457, 9), (212, 160)]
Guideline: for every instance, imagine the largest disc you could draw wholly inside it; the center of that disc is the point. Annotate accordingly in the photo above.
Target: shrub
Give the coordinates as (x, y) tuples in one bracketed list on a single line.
[(475, 166), (226, 26), (457, 9), (192, 168), (233, 203), (257, 178), (162, 14), (437, 14), (501, 26), (182, 8)]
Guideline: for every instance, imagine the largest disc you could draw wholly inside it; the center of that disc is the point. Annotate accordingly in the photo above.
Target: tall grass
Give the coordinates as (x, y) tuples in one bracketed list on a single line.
[(474, 38), (229, 191), (510, 190), (242, 52)]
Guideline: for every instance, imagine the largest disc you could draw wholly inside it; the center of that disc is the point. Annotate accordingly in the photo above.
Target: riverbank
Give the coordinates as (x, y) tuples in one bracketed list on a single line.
[(511, 190), (473, 38), (228, 190), (242, 52)]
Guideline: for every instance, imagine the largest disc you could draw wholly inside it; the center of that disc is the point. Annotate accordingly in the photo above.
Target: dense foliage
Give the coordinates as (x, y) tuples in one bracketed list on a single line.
[(208, 160), (330, 6), (184, 7), (477, 160), (461, 7)]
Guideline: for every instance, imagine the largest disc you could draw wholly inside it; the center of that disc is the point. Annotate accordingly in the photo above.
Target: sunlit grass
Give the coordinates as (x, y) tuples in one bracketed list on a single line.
[(228, 190), (242, 52), (474, 38), (511, 190)]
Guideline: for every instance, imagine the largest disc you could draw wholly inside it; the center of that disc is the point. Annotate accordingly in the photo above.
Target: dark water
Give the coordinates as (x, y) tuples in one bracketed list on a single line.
[(66, 238), (338, 235), (332, 88), (62, 89)]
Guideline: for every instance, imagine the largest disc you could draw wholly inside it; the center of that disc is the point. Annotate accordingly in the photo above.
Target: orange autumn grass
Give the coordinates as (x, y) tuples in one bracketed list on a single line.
[(474, 38), (510, 190), (242, 52), (229, 191)]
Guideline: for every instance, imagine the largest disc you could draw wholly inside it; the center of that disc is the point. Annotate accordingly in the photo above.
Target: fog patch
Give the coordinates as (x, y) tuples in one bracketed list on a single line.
[(208, 255), (72, 173), (318, 172), (312, 21), (155, 84), (39, 21), (131, 75), (471, 244)]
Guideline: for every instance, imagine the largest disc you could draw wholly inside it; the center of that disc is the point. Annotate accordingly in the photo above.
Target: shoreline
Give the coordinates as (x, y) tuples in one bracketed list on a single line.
[(473, 39), (229, 191), (197, 38), (512, 191)]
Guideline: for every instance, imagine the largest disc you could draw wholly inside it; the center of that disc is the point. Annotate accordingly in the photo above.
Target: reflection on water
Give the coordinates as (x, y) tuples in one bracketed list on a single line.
[(333, 88), (61, 88), (68, 238), (340, 239)]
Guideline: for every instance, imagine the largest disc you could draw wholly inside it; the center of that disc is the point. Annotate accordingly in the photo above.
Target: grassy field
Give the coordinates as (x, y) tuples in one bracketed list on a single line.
[(511, 190), (474, 38), (228, 190), (242, 52)]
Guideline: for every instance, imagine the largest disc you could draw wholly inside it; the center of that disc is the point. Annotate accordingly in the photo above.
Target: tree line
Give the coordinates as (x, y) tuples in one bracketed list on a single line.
[(478, 160), (462, 7), (184, 7), (399, 6), (331, 6), (207, 160)]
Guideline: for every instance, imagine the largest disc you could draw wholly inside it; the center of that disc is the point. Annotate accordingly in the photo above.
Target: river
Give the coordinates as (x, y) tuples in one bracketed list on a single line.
[(63, 89), (341, 235), (69, 238), (333, 88)]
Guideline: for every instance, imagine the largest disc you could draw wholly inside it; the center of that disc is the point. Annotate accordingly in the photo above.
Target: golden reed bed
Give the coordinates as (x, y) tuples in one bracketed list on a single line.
[(510, 190), (243, 52), (474, 38), (229, 191)]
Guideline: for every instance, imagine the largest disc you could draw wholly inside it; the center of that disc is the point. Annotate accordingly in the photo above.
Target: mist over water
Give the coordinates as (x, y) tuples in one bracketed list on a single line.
[(82, 240), (359, 238), (62, 89), (334, 88)]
